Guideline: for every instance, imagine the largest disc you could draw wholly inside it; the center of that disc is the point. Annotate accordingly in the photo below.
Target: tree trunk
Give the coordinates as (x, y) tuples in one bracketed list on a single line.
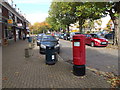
[(116, 32), (81, 22), (119, 32), (68, 28), (116, 22)]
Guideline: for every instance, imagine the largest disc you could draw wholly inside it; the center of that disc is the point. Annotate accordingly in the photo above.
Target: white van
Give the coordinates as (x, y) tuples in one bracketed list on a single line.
[(73, 33)]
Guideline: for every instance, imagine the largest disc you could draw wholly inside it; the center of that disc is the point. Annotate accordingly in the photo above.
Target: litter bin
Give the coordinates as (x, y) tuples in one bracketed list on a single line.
[(51, 56)]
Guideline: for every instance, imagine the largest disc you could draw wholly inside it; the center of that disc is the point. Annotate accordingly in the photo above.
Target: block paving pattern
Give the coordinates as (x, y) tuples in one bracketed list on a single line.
[(32, 72)]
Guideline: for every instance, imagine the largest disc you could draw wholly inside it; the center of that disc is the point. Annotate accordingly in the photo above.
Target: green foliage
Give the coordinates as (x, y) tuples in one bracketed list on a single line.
[(62, 14)]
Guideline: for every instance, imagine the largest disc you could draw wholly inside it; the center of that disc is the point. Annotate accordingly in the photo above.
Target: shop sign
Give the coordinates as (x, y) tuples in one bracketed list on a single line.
[(19, 24), (27, 27), (10, 21)]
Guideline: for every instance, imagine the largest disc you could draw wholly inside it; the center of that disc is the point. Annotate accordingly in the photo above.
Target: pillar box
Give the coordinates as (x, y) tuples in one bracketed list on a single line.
[(79, 55)]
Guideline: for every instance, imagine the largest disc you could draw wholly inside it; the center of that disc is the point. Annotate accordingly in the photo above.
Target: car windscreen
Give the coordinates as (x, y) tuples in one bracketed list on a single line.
[(96, 36), (39, 37), (77, 33), (49, 38), (109, 34)]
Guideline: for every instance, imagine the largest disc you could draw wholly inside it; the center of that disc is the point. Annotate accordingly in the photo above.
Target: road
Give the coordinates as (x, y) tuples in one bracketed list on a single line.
[(100, 58)]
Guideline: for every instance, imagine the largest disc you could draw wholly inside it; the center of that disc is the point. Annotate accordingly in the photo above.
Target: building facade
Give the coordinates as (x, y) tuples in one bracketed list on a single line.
[(12, 23)]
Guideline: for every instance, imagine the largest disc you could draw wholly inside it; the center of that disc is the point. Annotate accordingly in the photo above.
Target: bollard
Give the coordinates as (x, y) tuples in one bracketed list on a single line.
[(27, 53), (79, 58), (33, 40), (33, 45), (30, 45)]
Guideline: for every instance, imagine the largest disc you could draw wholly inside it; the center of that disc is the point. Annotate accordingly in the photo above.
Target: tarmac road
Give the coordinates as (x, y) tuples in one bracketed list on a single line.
[(100, 58)]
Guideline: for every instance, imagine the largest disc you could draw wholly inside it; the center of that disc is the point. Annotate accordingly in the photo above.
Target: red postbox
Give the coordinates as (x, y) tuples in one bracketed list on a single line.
[(79, 54)]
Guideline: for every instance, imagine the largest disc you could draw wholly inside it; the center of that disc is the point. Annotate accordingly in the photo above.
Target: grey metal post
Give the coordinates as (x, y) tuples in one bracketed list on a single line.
[(27, 53)]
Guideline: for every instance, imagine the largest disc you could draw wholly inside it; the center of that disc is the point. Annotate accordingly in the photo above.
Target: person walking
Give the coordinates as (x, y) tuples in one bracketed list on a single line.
[(24, 36), (27, 36), (29, 40)]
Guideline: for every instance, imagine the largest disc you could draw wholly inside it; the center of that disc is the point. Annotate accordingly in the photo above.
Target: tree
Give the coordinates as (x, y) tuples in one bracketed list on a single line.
[(109, 25), (61, 15), (40, 27), (91, 11), (70, 12), (114, 13), (113, 9), (81, 11), (89, 24)]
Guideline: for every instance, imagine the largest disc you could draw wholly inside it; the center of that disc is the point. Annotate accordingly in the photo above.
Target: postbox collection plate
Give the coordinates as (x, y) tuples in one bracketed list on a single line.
[(76, 43)]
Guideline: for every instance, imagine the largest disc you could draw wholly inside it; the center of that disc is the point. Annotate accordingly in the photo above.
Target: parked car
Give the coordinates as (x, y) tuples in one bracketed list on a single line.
[(57, 36), (61, 36), (73, 33), (51, 42), (39, 37), (109, 36), (66, 36), (95, 40)]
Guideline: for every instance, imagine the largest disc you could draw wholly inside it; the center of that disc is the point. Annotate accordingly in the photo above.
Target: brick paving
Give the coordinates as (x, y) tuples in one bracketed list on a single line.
[(32, 72), (0, 67)]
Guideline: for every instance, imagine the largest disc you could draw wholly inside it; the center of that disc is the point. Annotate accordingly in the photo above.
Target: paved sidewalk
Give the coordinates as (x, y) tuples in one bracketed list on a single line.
[(19, 72), (0, 67)]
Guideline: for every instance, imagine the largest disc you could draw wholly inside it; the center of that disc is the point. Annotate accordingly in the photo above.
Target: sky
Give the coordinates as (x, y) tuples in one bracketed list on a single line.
[(37, 10), (105, 20)]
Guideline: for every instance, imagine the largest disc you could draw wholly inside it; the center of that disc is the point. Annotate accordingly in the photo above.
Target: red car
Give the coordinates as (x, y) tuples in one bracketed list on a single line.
[(96, 40)]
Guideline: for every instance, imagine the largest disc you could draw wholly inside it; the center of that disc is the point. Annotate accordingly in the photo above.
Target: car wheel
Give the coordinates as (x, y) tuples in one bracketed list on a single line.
[(58, 51), (37, 43), (92, 44)]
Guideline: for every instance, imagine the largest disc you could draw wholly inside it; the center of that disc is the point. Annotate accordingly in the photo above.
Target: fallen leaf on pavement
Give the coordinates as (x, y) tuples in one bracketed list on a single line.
[(111, 78), (108, 66), (5, 78), (83, 77), (16, 72)]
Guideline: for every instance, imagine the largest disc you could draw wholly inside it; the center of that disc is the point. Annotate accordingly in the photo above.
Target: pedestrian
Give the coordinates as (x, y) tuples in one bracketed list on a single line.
[(29, 40), (23, 36), (28, 36)]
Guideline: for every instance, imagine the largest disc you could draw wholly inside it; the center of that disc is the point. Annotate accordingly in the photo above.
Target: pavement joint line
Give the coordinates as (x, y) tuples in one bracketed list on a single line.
[(62, 58)]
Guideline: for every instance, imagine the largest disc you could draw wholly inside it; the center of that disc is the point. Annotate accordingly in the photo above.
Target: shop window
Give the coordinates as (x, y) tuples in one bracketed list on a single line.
[(10, 33)]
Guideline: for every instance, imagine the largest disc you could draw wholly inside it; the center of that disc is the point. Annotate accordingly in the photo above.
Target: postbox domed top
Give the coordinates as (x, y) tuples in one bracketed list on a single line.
[(78, 36)]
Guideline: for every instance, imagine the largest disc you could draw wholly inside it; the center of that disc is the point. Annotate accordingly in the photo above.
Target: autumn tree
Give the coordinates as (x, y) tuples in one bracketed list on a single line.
[(40, 27)]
